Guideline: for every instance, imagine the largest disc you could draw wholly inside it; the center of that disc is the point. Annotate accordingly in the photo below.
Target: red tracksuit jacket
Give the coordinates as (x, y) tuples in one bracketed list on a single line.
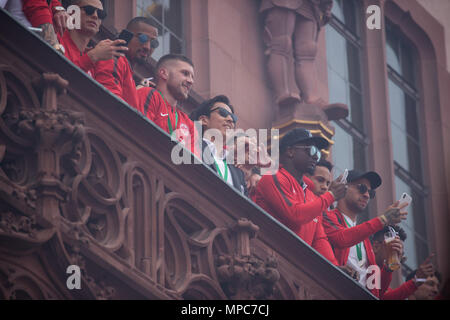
[(154, 107), (116, 75), (342, 238), (402, 292), (39, 12), (282, 196), (80, 59)]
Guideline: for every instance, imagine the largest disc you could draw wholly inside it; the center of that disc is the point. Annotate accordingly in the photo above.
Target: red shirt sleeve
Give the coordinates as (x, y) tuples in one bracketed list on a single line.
[(275, 192), (110, 74), (38, 12), (342, 237), (322, 245), (386, 278), (402, 292)]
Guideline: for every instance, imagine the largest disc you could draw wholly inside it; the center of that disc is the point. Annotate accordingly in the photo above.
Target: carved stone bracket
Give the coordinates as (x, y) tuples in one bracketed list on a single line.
[(99, 288), (243, 275), (55, 132)]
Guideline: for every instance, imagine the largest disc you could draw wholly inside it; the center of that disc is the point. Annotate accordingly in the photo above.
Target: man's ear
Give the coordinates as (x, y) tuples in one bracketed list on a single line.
[(204, 119), (163, 74)]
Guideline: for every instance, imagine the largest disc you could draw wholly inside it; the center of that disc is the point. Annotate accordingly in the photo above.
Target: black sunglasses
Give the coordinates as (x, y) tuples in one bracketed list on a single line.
[(101, 14), (225, 113), (143, 38), (311, 150), (362, 188)]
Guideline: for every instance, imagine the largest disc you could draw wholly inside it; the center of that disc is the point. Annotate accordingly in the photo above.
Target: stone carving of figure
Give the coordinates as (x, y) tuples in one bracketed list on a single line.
[(291, 34)]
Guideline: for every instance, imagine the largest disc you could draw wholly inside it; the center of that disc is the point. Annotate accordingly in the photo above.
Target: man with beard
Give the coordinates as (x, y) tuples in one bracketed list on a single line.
[(174, 80), (286, 197), (351, 242), (117, 74)]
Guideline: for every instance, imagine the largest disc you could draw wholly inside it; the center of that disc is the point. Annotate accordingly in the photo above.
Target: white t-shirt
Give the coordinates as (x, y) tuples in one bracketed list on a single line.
[(353, 261)]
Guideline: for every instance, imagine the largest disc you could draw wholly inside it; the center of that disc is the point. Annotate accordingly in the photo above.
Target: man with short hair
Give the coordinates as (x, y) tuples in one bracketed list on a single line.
[(350, 241), (380, 249), (117, 74), (285, 196), (321, 178), (217, 116), (429, 289), (74, 43), (162, 105)]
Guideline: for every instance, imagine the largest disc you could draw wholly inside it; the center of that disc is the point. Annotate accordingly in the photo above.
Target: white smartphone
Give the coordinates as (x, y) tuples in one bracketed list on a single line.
[(405, 198), (344, 176)]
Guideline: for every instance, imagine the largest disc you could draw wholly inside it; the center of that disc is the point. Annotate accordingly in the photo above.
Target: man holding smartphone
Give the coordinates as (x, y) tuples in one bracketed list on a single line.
[(117, 74), (350, 241), (73, 43)]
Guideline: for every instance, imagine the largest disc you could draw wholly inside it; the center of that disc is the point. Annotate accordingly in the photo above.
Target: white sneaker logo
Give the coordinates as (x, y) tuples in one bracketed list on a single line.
[(164, 115)]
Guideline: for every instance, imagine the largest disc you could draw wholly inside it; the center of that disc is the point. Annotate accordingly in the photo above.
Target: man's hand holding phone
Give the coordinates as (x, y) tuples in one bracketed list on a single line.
[(338, 188), (108, 49)]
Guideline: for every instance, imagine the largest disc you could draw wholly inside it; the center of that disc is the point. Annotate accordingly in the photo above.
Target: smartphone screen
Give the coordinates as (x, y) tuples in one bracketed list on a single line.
[(125, 35)]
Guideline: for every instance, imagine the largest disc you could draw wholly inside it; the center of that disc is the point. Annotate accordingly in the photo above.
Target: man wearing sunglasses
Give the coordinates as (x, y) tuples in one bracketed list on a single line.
[(351, 242), (117, 74), (217, 116), (286, 197), (74, 43)]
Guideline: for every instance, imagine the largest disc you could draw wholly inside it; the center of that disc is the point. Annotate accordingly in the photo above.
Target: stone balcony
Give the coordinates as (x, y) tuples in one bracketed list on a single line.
[(85, 180)]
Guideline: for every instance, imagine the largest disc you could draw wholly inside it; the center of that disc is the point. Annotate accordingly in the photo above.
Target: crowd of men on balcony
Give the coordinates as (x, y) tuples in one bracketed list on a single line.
[(301, 194)]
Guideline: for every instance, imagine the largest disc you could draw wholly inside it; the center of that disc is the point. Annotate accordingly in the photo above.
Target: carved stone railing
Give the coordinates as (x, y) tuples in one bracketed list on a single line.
[(86, 181)]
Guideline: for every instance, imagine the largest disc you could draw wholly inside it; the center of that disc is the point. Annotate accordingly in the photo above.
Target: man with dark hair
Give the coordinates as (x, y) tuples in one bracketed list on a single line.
[(73, 43), (144, 42), (380, 249), (117, 74), (321, 177), (351, 242), (174, 80), (285, 196), (427, 290), (217, 116)]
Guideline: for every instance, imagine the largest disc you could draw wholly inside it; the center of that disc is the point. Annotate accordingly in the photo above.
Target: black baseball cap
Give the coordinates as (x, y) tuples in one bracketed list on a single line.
[(300, 135), (373, 177)]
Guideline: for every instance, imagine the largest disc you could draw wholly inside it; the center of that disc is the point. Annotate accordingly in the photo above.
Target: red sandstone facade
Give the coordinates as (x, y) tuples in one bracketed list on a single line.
[(141, 227)]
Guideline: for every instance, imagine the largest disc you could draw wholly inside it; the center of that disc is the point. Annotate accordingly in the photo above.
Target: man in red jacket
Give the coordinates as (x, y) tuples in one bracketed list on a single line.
[(285, 196), (162, 105), (351, 242), (116, 75), (74, 42), (408, 288)]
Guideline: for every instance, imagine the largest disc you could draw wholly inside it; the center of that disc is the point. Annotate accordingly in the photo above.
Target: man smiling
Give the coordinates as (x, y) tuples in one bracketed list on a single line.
[(217, 118), (175, 78)]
